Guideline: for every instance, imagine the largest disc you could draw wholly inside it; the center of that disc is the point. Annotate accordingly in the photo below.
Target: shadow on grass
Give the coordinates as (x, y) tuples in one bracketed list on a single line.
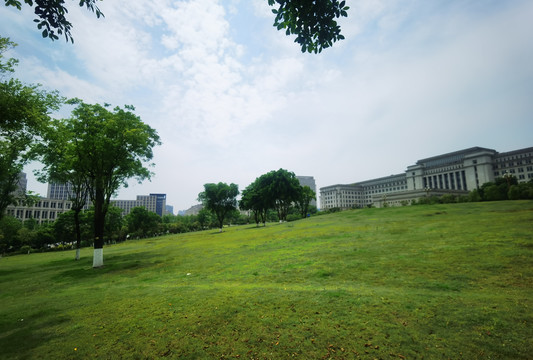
[(113, 264), (20, 337)]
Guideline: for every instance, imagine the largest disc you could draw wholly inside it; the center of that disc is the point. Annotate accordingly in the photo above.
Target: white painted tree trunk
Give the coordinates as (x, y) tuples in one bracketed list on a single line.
[(98, 258), (77, 254)]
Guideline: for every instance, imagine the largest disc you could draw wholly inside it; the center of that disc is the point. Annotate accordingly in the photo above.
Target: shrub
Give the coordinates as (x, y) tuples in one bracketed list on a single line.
[(26, 249)]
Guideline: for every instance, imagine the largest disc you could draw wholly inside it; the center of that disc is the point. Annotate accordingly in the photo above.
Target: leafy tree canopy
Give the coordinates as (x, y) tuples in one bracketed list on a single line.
[(220, 199)]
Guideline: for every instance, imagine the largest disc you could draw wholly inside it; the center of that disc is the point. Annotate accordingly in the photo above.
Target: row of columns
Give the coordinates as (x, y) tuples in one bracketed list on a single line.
[(452, 181)]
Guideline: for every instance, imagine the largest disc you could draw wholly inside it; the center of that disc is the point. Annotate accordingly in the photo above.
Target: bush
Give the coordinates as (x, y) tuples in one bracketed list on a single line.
[(26, 249), (293, 217)]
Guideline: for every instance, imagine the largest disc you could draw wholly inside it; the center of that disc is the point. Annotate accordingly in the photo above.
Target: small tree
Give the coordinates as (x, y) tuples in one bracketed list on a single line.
[(220, 199), (142, 222), (306, 195)]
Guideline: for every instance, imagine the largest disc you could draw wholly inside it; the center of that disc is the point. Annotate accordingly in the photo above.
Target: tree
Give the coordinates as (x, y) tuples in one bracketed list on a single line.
[(204, 217), (282, 189), (312, 21), (24, 115), (111, 147), (306, 194), (142, 223), (9, 228), (254, 198), (220, 199), (58, 153), (51, 16)]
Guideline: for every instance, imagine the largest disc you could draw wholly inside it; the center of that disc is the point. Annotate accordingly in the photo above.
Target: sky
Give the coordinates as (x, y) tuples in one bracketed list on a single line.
[(232, 98)]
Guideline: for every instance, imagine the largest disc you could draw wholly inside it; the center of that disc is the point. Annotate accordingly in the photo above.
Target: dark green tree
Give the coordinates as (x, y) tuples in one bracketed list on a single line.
[(9, 239), (204, 217), (220, 199), (254, 198), (282, 189), (312, 21), (142, 223), (305, 196)]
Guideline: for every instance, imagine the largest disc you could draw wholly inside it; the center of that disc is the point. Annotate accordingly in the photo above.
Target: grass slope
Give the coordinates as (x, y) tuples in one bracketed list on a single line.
[(433, 282)]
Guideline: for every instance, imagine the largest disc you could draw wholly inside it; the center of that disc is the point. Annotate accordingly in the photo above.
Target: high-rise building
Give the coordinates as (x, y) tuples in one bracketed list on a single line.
[(308, 181)]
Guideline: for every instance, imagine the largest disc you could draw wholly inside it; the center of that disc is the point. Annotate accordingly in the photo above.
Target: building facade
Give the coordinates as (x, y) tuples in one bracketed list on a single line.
[(453, 173), (308, 181), (48, 209), (154, 202)]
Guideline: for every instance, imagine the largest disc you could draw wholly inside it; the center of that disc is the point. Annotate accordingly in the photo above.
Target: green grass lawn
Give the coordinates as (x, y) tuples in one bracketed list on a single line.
[(432, 282)]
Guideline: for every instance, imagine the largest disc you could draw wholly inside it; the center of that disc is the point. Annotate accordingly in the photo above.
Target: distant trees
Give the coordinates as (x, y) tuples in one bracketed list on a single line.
[(279, 190), (502, 188), (143, 223), (220, 199)]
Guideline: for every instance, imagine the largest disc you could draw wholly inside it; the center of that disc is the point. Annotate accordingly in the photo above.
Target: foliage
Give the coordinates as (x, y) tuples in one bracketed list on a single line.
[(96, 133), (9, 65), (58, 154), (303, 201), (9, 234), (143, 223), (255, 199), (24, 115), (443, 281), (282, 189), (51, 16), (220, 199), (313, 22)]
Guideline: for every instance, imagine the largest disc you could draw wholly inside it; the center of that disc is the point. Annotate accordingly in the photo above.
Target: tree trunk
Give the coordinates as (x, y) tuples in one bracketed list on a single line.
[(78, 232), (98, 258), (99, 224)]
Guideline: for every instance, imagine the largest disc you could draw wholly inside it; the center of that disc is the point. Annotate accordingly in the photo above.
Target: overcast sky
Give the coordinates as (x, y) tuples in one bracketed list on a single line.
[(233, 98)]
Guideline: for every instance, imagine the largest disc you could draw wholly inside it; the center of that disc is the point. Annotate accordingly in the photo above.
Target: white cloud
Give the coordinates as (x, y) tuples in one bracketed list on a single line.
[(232, 97)]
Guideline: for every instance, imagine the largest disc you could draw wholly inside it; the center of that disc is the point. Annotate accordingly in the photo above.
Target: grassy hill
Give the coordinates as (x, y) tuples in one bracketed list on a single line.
[(433, 282)]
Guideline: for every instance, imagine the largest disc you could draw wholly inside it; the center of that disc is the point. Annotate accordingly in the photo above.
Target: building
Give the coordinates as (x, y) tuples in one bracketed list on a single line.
[(453, 173), (193, 210), (154, 202), (308, 181), (170, 209), (47, 209)]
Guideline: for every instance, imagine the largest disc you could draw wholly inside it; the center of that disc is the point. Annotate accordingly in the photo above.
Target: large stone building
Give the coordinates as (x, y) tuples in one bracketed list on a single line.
[(453, 173)]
